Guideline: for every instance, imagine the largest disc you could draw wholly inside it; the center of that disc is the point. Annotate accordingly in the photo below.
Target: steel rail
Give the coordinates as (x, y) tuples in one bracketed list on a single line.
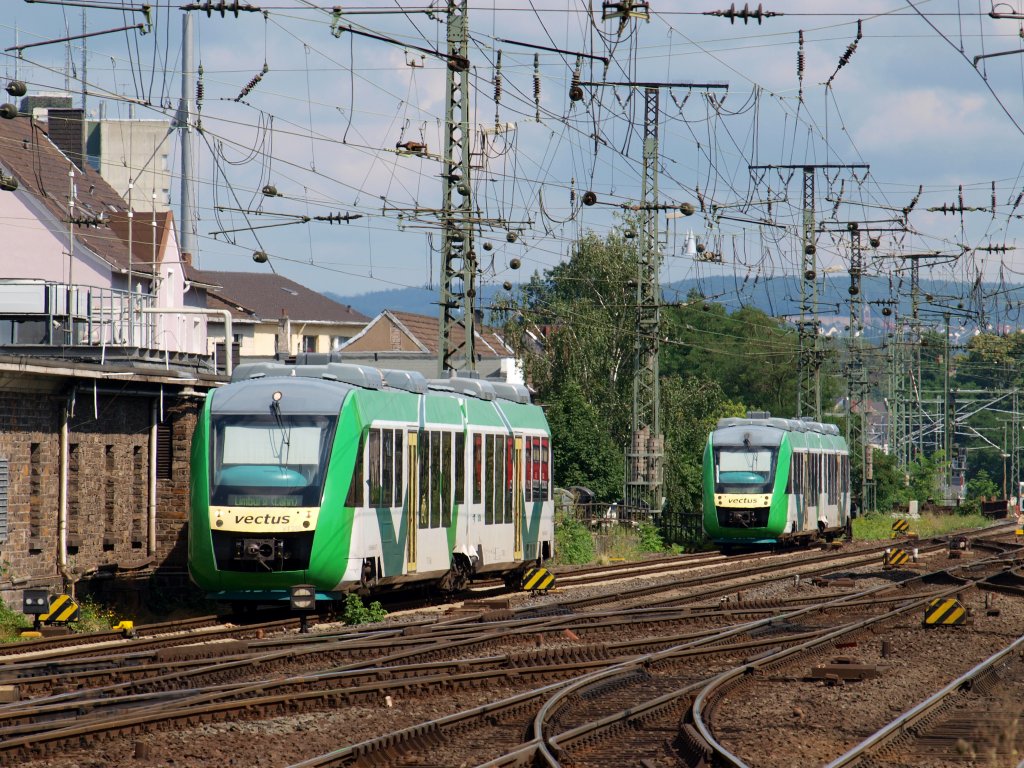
[(723, 754), (937, 700)]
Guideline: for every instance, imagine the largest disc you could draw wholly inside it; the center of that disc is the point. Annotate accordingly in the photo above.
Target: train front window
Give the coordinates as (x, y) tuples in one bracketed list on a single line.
[(269, 461), (744, 470)]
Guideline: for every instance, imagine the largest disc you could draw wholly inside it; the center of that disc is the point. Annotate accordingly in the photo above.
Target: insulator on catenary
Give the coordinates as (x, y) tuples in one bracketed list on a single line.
[(200, 90), (848, 54), (800, 65), (575, 90), (536, 84), (913, 202), (253, 83), (497, 87), (993, 198)]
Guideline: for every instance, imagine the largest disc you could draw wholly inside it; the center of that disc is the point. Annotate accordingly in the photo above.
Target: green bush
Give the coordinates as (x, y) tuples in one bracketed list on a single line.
[(11, 623), (649, 538), (93, 616), (357, 613), (573, 543)]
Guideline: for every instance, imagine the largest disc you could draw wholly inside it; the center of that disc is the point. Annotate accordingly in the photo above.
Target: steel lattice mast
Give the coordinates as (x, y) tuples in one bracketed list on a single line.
[(458, 259), (644, 470)]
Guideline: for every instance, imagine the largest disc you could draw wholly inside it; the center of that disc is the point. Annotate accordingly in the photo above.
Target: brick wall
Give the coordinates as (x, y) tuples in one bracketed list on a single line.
[(108, 476)]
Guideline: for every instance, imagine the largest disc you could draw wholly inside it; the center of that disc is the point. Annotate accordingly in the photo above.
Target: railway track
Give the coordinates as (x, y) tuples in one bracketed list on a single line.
[(502, 663)]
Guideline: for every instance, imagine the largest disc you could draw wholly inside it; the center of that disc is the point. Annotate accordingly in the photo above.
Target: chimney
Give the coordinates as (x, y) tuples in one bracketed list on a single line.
[(66, 128)]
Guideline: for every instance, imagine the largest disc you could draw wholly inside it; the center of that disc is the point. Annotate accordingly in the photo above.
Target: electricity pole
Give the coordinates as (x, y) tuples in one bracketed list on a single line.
[(458, 259), (809, 359), (644, 458)]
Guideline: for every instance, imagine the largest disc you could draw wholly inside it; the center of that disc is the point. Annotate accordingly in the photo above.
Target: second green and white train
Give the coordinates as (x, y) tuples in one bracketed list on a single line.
[(771, 481)]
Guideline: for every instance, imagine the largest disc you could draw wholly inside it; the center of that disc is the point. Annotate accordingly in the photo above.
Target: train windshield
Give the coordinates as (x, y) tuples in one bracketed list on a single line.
[(744, 470), (269, 461)]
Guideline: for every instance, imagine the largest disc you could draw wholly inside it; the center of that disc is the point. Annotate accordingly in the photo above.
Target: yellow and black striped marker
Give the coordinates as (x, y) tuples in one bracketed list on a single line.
[(900, 527), (538, 580), (894, 557), (63, 609), (944, 611)]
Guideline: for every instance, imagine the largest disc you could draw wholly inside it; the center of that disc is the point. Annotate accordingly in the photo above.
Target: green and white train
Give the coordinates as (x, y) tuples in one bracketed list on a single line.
[(770, 480), (347, 477)]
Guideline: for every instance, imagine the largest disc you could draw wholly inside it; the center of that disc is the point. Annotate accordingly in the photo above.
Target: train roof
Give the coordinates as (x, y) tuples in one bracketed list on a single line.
[(783, 425), (368, 377)]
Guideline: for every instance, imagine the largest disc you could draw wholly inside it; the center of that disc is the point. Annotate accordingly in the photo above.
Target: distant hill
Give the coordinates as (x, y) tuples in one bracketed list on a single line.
[(776, 296)]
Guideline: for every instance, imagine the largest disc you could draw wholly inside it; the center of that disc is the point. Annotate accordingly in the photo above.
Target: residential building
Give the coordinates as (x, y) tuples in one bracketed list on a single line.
[(79, 270), (410, 342), (274, 317)]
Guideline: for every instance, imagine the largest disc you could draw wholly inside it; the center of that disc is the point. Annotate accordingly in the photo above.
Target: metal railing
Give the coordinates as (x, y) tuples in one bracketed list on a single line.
[(40, 313)]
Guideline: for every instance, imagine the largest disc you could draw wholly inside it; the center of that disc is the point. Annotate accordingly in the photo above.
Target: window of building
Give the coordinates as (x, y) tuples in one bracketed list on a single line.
[(309, 343)]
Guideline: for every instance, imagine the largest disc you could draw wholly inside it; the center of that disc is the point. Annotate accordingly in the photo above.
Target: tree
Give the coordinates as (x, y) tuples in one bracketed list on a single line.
[(691, 407), (751, 355), (574, 329)]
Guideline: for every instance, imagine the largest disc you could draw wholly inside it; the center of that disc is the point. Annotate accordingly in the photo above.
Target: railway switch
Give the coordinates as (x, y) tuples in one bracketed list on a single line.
[(61, 610), (900, 528), (538, 580), (945, 612), (894, 557)]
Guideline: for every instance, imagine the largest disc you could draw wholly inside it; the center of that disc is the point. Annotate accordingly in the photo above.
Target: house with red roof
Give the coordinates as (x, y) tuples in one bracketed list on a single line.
[(274, 317), (408, 341)]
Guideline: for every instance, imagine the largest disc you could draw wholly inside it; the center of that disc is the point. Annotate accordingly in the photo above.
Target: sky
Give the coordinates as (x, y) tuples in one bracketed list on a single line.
[(293, 99)]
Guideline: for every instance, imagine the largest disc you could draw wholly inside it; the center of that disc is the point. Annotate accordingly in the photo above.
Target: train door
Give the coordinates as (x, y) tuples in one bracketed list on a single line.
[(517, 499), (412, 499)]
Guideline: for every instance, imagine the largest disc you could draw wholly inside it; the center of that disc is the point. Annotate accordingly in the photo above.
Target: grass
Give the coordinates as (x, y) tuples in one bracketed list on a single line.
[(879, 527), (92, 617)]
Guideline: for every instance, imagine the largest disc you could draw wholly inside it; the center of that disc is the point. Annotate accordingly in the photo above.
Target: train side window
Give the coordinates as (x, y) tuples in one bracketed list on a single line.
[(545, 469), (528, 490), (460, 468), (489, 497), (510, 471), (399, 489), (436, 481), (446, 479), (498, 486), (355, 488), (423, 455), (387, 468), (373, 469), (478, 468)]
